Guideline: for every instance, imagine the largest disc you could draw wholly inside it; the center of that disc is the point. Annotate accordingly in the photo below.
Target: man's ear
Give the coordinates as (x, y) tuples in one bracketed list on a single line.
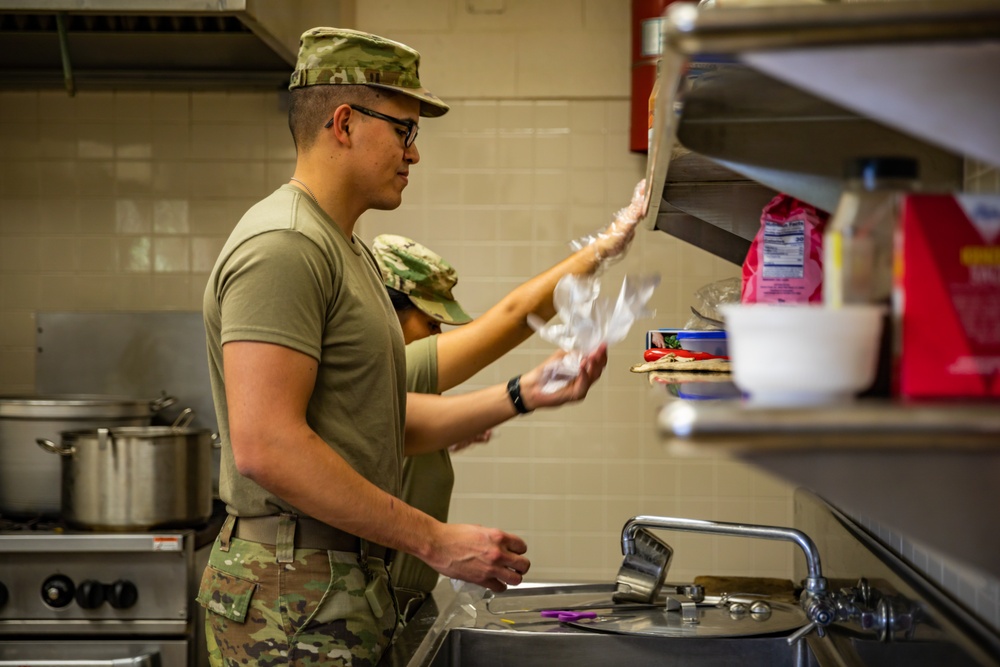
[(340, 126)]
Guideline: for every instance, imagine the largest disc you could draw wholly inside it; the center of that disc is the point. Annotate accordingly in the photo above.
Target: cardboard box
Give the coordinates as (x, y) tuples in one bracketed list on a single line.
[(947, 296)]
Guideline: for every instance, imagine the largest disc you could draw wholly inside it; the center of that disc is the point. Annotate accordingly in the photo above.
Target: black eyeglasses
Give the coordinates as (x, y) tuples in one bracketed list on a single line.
[(411, 127)]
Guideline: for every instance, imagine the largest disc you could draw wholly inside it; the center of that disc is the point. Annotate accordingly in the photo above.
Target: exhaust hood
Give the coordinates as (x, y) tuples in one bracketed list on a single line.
[(155, 44)]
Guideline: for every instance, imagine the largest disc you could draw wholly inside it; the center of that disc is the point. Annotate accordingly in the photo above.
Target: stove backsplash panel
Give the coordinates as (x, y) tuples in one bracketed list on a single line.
[(134, 354)]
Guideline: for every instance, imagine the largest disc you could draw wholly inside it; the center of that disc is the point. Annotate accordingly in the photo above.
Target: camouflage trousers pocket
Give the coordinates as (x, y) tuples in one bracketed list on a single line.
[(226, 594), (379, 597)]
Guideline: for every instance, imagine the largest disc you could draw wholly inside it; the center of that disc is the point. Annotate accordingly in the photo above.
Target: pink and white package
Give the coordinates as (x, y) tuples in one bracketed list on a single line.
[(785, 261)]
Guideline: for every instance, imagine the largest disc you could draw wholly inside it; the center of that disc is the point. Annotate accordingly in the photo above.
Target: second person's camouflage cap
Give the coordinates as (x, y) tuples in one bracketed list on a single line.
[(338, 55), (422, 275)]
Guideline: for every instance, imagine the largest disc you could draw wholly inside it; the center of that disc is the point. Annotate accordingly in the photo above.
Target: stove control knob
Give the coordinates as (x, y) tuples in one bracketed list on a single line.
[(57, 591), (122, 594), (90, 594)]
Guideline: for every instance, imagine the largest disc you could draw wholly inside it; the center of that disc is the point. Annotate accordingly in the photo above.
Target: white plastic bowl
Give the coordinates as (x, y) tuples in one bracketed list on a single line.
[(792, 355)]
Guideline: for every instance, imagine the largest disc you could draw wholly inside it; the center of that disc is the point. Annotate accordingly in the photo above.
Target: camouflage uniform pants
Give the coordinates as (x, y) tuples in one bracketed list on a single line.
[(319, 609)]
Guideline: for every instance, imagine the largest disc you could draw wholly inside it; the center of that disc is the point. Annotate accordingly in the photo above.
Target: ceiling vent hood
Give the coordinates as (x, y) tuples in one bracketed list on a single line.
[(155, 44)]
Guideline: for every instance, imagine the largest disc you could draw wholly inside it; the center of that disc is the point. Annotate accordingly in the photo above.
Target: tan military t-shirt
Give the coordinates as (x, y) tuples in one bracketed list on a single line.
[(289, 276), (428, 479)]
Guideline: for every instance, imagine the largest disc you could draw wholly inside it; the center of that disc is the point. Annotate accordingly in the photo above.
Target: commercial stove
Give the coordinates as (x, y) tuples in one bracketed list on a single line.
[(104, 598), (110, 598)]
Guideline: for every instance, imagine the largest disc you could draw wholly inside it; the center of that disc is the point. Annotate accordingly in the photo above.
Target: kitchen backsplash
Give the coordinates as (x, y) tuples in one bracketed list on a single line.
[(978, 592)]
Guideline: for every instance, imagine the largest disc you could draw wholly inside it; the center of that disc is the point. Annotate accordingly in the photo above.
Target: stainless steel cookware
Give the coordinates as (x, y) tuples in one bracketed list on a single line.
[(29, 479), (135, 477), (642, 572)]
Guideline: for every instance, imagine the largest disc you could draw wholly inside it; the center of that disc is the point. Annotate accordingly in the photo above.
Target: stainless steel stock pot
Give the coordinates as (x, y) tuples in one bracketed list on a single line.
[(135, 477), (29, 479)]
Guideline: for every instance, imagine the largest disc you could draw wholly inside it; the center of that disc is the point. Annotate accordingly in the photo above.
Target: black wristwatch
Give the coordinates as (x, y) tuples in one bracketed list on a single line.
[(514, 391)]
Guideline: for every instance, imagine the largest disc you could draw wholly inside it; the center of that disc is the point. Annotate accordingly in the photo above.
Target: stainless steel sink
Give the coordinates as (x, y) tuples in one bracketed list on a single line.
[(886, 616), (470, 647), (508, 629)]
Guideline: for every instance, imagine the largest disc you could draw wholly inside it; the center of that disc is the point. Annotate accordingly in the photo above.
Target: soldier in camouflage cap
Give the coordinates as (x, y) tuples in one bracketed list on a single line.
[(338, 55), (422, 275), (309, 379)]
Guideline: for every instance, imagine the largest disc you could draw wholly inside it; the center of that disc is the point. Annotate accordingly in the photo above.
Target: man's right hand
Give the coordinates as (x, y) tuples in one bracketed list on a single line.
[(487, 557)]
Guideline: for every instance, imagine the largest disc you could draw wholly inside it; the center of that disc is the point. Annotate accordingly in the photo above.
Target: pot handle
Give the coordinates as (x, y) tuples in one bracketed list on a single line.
[(103, 436), (163, 401), (184, 419), (50, 446)]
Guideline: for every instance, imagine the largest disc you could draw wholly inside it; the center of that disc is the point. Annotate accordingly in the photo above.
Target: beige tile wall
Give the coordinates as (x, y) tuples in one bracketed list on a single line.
[(120, 201)]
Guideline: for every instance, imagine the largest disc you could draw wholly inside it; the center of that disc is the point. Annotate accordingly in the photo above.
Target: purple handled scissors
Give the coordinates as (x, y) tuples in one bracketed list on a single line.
[(564, 616)]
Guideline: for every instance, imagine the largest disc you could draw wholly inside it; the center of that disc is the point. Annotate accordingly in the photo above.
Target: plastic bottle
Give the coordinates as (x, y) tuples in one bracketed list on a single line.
[(858, 242), (858, 245)]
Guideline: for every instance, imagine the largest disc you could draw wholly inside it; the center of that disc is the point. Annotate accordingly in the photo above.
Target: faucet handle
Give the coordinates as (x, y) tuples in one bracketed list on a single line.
[(820, 611), (797, 636)]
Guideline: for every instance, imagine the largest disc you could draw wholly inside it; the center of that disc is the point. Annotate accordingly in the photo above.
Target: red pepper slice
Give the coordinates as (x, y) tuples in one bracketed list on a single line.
[(655, 353)]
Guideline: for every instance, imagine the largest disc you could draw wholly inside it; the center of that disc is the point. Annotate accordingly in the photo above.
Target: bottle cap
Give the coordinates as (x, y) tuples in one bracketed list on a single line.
[(870, 168)]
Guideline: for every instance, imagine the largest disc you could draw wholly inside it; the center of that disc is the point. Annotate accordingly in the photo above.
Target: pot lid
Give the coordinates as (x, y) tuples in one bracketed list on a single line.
[(712, 618), (78, 406), (134, 432)]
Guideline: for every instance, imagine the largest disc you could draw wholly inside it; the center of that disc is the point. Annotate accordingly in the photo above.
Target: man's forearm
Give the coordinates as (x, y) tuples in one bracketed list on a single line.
[(305, 472)]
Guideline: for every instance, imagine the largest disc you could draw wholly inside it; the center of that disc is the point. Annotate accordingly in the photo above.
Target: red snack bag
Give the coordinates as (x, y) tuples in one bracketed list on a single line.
[(785, 261)]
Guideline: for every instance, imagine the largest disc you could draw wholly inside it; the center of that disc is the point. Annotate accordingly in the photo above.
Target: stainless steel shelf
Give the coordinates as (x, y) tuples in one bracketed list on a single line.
[(929, 471), (783, 95), (927, 67), (858, 425), (791, 141)]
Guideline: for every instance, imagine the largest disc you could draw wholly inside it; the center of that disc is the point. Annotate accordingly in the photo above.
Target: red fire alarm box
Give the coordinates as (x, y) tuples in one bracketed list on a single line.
[(647, 45)]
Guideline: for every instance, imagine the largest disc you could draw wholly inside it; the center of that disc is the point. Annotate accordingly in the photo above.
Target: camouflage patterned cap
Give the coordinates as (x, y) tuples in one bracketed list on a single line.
[(338, 55), (422, 275)]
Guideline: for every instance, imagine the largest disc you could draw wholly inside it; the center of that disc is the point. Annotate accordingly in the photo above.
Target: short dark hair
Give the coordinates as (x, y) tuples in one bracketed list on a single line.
[(400, 300), (310, 107)]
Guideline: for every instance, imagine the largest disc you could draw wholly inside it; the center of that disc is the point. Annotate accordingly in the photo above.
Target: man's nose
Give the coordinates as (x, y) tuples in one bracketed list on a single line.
[(411, 154)]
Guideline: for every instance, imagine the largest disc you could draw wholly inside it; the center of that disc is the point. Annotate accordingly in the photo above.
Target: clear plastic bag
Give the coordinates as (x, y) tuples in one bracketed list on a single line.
[(585, 321), (705, 314), (459, 613)]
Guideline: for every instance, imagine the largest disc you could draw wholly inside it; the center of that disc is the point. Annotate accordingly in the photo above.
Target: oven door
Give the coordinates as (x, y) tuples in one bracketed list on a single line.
[(95, 653)]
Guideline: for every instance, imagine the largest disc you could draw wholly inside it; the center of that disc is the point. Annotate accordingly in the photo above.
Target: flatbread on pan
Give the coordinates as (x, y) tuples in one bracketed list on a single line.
[(671, 362)]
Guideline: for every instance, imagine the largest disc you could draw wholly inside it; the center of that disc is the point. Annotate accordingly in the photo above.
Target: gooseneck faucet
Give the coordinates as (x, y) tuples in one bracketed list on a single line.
[(815, 601)]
